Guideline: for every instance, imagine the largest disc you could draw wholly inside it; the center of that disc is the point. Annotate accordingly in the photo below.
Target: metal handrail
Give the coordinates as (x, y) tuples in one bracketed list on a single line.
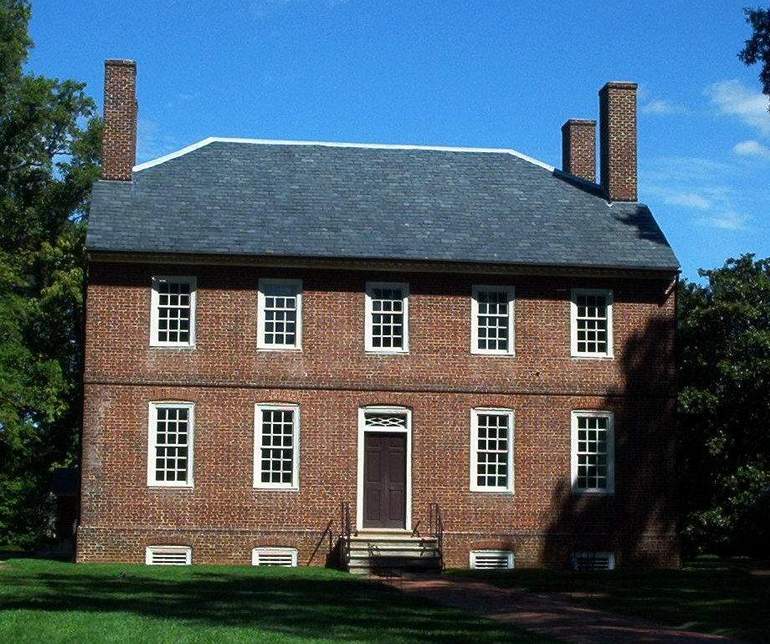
[(327, 533), (345, 531), (436, 527)]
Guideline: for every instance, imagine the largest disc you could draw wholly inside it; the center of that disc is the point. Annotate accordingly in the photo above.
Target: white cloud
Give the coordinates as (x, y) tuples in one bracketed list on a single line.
[(152, 142), (728, 220), (733, 98), (662, 107), (701, 185), (752, 149)]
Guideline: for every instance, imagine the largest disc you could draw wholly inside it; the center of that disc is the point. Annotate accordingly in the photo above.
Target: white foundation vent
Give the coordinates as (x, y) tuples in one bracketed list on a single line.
[(593, 561), (168, 556), (491, 559), (286, 557)]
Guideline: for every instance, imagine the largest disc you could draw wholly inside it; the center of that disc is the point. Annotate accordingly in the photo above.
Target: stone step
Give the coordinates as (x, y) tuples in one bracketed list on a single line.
[(393, 551), (391, 564)]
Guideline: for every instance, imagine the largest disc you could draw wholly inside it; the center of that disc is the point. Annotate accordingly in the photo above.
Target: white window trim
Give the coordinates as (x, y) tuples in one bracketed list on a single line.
[(257, 483), (151, 443), (573, 322), (474, 486), (154, 302), (404, 286), (292, 552), (261, 344), (362, 430), (610, 489), (474, 554), (150, 550), (511, 294)]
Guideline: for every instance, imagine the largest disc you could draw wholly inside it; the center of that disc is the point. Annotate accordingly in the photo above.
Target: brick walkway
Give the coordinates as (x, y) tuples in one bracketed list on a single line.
[(545, 614)]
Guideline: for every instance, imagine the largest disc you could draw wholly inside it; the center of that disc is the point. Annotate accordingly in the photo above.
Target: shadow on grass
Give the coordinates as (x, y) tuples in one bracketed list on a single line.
[(237, 603), (722, 597)]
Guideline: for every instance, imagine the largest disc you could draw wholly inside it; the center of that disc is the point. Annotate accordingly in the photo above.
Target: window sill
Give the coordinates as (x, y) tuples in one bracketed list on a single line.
[(510, 493), (279, 349), (379, 352), (576, 492), (270, 488), (173, 347), (588, 357), (492, 354), (156, 486)]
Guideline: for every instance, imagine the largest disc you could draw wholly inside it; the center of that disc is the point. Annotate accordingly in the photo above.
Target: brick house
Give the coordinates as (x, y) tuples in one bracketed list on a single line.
[(302, 351)]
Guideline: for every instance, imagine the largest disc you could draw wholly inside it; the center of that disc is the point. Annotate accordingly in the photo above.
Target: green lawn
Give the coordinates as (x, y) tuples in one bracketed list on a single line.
[(43, 600), (727, 598)]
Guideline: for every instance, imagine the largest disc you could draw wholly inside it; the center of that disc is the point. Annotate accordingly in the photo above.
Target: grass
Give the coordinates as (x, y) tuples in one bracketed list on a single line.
[(709, 596), (44, 600)]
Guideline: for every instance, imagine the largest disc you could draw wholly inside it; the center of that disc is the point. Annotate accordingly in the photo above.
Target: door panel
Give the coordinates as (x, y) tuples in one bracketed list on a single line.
[(384, 480)]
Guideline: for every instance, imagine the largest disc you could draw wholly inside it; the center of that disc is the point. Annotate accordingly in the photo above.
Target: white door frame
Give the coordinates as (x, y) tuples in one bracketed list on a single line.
[(362, 431)]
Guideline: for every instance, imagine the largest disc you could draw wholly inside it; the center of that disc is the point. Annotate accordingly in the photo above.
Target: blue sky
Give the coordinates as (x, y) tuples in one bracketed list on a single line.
[(481, 74)]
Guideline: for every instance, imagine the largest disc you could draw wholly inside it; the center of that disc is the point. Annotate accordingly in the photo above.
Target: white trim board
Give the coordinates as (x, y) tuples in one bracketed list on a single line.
[(334, 144)]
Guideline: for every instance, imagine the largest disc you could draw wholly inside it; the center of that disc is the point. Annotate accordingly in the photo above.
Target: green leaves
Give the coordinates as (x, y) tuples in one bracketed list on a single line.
[(724, 405), (757, 48), (49, 157)]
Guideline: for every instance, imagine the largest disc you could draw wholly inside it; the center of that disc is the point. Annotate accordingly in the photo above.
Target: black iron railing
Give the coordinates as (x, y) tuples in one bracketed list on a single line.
[(436, 528), (345, 532)]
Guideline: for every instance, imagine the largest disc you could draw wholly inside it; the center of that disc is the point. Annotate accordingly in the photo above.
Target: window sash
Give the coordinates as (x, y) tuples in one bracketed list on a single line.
[(171, 312), (168, 446), (387, 317), (590, 327), (486, 451), (593, 452), (487, 325), (279, 319), (276, 450)]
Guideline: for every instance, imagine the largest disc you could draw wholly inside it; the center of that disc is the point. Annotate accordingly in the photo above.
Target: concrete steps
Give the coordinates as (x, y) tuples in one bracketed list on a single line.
[(392, 552)]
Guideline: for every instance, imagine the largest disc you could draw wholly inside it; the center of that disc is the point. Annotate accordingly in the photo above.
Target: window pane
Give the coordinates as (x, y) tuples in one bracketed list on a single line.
[(172, 444), (387, 318), (280, 312), (492, 450), (174, 311), (277, 449), (492, 320), (592, 454), (592, 323)]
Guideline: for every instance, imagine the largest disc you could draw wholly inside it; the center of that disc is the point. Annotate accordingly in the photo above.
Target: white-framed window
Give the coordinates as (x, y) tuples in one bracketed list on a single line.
[(170, 453), (492, 450), (387, 317), (276, 446), (172, 314), (286, 557), (591, 323), (491, 559), (168, 555), (593, 452), (279, 314), (593, 561), (492, 330)]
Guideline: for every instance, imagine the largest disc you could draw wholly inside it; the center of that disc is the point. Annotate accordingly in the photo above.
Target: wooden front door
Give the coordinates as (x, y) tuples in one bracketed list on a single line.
[(384, 480)]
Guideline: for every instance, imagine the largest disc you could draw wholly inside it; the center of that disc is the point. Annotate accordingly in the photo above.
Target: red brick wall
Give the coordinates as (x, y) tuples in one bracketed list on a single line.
[(578, 148), (120, 110), (223, 517), (618, 140)]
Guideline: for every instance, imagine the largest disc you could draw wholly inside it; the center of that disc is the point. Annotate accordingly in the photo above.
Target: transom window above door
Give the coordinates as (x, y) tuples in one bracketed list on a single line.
[(492, 320), (279, 314), (387, 317)]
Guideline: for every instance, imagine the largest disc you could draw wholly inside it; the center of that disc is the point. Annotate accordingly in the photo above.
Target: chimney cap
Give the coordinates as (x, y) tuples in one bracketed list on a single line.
[(569, 122), (619, 85), (125, 62)]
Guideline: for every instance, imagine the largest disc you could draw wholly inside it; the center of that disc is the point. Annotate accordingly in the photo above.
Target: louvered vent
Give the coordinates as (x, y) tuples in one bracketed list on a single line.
[(168, 556), (593, 561), (491, 559), (286, 557)]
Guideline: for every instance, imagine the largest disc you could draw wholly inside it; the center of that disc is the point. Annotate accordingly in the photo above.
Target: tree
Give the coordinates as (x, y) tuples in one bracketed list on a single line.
[(49, 147), (724, 404), (757, 48)]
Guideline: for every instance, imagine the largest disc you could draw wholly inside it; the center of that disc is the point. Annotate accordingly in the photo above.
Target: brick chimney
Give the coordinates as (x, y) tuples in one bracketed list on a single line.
[(617, 124), (120, 108), (578, 148)]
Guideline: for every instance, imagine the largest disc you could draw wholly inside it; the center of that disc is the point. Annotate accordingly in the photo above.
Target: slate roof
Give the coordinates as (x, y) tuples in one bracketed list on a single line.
[(283, 199)]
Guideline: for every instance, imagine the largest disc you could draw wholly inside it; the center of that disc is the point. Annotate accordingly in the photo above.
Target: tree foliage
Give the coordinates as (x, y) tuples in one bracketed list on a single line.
[(757, 48), (724, 404), (49, 146)]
